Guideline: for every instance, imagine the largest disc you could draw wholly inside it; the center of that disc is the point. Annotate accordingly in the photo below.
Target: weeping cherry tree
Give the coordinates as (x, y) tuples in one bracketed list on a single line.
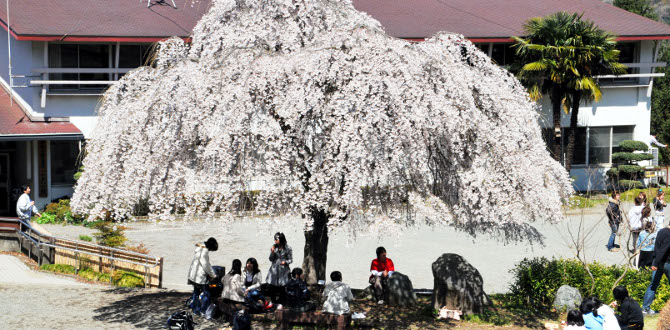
[(307, 107)]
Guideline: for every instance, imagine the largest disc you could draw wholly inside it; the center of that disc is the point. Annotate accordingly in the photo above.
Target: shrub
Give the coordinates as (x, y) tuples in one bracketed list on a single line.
[(62, 212), (630, 169), (536, 281), (630, 157), (630, 184), (85, 238), (127, 279), (141, 248), (92, 275), (110, 234), (58, 268), (46, 218), (631, 145)]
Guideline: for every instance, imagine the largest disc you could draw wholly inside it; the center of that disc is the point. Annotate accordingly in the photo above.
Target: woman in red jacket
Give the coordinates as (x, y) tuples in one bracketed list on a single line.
[(381, 269)]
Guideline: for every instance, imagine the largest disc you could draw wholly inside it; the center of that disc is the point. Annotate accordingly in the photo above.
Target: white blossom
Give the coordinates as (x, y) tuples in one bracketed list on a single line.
[(310, 105)]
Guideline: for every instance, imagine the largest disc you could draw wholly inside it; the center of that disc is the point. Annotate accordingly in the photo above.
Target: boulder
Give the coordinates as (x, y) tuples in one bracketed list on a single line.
[(567, 298), (399, 291), (458, 285)]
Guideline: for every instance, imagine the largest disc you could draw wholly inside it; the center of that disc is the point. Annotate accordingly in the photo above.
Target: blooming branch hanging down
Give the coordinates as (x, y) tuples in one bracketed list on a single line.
[(310, 108)]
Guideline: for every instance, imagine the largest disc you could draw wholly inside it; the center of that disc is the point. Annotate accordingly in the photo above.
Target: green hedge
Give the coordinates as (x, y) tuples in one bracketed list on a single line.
[(630, 169), (58, 268), (630, 157), (630, 184), (632, 145), (536, 281), (127, 279)]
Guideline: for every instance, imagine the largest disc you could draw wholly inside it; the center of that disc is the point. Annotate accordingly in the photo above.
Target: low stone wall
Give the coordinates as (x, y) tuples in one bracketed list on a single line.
[(9, 242)]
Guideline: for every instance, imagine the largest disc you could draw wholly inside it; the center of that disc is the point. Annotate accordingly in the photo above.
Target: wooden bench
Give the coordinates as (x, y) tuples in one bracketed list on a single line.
[(285, 317)]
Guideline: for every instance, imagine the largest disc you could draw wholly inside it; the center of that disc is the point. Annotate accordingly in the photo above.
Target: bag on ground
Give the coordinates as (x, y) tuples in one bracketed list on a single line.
[(181, 320), (241, 321)]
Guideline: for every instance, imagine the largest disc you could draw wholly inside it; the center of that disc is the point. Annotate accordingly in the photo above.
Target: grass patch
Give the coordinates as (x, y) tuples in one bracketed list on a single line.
[(121, 278), (85, 238), (584, 202)]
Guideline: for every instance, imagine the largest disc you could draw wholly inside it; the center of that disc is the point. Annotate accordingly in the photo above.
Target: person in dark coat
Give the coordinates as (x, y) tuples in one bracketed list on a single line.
[(613, 212), (297, 294), (281, 256), (631, 316)]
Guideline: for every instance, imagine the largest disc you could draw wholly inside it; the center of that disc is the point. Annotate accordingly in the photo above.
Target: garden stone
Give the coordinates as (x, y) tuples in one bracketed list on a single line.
[(399, 291), (458, 285), (567, 298)]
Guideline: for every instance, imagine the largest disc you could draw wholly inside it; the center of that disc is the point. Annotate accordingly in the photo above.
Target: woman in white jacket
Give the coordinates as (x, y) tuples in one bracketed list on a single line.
[(199, 273), (233, 286)]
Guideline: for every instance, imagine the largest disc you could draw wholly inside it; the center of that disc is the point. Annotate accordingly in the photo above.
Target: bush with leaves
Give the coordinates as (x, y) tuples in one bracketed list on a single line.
[(110, 234), (537, 280), (626, 172)]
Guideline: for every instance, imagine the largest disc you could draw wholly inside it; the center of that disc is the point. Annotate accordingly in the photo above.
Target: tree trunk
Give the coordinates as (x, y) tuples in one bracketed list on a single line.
[(316, 249), (574, 115), (556, 97)]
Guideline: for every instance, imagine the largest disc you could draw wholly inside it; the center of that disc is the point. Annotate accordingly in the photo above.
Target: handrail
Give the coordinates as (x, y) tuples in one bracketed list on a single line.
[(156, 260), (631, 75), (77, 70)]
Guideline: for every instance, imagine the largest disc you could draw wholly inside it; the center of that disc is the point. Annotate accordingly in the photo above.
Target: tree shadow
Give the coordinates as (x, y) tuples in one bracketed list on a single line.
[(147, 308)]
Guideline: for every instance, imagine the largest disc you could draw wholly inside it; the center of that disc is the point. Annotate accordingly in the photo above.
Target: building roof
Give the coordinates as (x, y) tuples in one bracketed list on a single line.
[(15, 125), (132, 20)]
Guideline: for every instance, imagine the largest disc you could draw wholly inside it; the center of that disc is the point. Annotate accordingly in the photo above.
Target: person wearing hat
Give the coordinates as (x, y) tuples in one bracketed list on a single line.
[(281, 256), (659, 206), (201, 270)]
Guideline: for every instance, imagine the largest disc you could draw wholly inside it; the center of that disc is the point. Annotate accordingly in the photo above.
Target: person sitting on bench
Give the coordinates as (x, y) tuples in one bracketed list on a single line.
[(381, 269), (233, 286), (337, 295), (297, 294)]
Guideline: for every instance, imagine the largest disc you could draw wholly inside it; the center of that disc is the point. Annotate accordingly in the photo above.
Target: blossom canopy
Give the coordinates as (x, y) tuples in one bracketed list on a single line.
[(303, 105)]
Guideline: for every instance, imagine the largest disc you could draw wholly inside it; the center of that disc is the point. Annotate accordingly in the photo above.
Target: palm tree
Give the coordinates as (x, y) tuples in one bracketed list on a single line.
[(561, 55)]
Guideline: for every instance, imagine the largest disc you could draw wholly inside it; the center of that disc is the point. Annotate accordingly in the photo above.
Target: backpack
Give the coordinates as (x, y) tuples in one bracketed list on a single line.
[(241, 321), (181, 320)]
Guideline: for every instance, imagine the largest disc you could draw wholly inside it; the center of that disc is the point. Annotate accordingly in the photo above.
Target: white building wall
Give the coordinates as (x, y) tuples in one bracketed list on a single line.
[(621, 106)]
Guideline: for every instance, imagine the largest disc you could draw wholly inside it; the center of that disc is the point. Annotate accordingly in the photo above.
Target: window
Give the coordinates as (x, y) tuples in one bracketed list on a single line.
[(64, 162), (483, 47), (79, 56), (503, 54), (602, 143), (93, 56)]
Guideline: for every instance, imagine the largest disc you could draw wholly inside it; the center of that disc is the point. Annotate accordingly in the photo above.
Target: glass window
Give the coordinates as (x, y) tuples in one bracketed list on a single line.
[(579, 157), (621, 133), (64, 162), (133, 56), (599, 145), (79, 56), (483, 47), (503, 54)]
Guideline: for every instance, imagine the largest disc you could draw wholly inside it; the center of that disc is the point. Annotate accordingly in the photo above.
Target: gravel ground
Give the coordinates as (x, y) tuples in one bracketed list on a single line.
[(413, 252)]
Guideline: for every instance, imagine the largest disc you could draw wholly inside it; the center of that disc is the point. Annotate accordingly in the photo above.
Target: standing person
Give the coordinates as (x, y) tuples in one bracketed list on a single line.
[(659, 206), (635, 219), (630, 316), (660, 266), (199, 273), (281, 256), (337, 295), (613, 212), (380, 270), (25, 208), (645, 243), (652, 140)]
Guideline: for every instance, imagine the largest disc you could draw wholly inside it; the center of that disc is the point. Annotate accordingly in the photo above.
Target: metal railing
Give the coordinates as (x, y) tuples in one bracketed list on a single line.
[(41, 240)]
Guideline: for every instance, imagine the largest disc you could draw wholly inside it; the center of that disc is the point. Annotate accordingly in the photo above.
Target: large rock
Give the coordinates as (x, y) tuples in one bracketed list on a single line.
[(567, 298), (458, 285), (399, 291)]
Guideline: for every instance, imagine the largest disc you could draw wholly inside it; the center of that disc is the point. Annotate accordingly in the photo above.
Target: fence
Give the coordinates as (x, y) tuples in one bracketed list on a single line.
[(59, 250)]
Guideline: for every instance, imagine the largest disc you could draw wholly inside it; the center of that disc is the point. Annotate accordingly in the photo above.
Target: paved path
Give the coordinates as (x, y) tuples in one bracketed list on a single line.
[(13, 271), (412, 252)]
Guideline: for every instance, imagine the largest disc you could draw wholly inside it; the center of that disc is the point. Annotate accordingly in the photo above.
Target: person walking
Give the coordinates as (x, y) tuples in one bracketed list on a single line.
[(660, 266), (199, 273), (659, 206), (25, 207), (635, 220), (613, 212), (281, 256)]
